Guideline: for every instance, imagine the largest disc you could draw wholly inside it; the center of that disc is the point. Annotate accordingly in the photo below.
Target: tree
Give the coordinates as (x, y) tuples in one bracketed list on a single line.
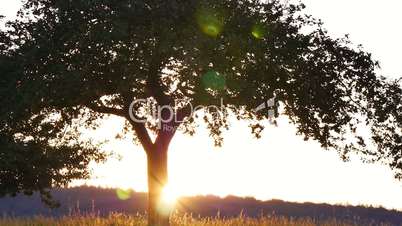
[(67, 64)]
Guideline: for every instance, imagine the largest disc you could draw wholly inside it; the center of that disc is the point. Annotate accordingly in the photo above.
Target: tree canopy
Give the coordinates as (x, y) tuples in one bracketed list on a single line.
[(66, 64)]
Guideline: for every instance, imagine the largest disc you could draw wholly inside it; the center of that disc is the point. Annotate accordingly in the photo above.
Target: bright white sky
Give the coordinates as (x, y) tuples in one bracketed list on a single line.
[(281, 165)]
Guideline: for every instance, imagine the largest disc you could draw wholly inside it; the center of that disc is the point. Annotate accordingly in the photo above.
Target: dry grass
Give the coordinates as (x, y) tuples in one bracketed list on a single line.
[(182, 220)]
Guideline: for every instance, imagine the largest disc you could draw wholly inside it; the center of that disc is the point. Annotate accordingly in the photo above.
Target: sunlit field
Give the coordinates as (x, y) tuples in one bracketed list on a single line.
[(182, 220)]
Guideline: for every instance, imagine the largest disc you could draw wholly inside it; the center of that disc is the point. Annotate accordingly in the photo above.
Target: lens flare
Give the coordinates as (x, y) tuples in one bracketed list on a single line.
[(213, 80), (259, 31), (211, 30), (123, 194), (210, 22)]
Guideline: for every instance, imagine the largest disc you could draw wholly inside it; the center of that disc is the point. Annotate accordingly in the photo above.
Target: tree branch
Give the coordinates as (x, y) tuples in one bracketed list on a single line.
[(168, 129), (143, 135), (139, 127), (105, 110)]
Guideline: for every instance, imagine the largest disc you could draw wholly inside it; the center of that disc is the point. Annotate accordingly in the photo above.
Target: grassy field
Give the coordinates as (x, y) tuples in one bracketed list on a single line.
[(184, 220)]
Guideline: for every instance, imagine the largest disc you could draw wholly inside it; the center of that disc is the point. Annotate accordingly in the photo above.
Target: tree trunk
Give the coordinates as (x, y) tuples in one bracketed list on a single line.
[(158, 214)]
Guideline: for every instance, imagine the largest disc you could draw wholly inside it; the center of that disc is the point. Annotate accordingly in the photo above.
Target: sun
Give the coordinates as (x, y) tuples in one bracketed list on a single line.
[(168, 200), (169, 195)]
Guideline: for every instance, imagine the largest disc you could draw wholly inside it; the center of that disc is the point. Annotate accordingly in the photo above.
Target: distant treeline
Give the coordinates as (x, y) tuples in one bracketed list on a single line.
[(102, 201)]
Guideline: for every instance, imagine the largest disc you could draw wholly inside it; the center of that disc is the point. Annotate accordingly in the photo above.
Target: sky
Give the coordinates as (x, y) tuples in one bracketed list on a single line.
[(280, 165)]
